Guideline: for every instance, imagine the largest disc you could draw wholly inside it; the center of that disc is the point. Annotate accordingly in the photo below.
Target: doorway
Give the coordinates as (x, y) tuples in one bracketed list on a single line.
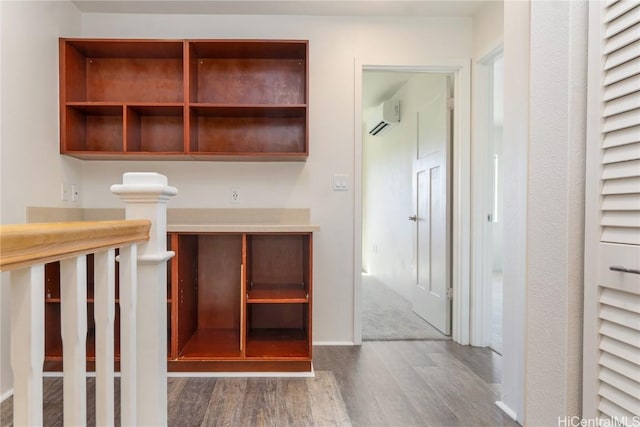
[(406, 205), (459, 72)]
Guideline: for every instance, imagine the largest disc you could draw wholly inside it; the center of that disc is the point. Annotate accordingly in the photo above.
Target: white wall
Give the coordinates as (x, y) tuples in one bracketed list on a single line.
[(488, 29), (545, 64), (334, 43), (555, 211), (388, 193), (31, 171)]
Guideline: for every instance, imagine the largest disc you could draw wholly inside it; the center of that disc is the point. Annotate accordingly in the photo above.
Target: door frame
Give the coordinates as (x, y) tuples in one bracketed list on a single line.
[(460, 187), (481, 304)]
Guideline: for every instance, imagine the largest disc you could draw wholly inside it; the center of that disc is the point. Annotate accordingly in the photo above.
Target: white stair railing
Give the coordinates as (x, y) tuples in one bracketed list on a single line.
[(24, 249)]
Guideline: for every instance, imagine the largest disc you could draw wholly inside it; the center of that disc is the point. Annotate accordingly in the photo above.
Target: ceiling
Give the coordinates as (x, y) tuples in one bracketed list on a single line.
[(286, 7)]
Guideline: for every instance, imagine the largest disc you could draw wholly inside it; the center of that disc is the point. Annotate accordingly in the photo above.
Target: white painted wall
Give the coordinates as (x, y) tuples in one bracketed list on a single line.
[(31, 171), (488, 29), (545, 63), (555, 211), (390, 249), (334, 42)]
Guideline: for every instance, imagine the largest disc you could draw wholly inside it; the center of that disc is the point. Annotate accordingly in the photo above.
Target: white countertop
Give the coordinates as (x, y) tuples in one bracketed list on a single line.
[(242, 228)]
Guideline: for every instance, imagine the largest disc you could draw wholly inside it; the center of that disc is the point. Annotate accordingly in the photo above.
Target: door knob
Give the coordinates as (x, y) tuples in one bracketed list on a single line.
[(413, 218)]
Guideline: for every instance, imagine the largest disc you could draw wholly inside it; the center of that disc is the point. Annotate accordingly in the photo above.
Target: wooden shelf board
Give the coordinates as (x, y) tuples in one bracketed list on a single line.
[(121, 155), (277, 293), (277, 343), (247, 157), (209, 343)]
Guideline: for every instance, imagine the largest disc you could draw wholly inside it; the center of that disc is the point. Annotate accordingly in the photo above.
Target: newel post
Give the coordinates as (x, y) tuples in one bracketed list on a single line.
[(145, 196)]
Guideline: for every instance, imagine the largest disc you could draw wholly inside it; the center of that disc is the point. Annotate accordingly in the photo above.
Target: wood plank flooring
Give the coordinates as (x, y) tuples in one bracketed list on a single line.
[(381, 383)]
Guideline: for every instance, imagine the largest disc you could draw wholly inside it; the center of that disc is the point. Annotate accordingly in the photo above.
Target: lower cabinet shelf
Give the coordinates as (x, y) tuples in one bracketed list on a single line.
[(278, 343), (212, 343)]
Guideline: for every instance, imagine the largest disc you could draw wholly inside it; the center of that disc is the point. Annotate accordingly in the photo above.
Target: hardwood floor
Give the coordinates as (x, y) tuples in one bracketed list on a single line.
[(381, 383)]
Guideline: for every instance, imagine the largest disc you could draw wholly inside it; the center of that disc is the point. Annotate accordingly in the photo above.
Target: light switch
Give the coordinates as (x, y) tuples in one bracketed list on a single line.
[(340, 182)]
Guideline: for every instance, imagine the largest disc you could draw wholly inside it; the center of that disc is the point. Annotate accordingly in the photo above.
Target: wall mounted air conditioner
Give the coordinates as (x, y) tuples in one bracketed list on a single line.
[(383, 117)]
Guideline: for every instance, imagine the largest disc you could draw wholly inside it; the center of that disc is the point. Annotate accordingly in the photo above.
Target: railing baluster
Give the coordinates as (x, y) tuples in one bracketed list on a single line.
[(104, 311), (27, 343), (73, 301), (24, 250), (145, 196), (128, 260)]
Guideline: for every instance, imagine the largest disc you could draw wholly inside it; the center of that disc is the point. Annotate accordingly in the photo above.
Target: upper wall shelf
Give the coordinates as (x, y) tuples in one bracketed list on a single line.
[(184, 99)]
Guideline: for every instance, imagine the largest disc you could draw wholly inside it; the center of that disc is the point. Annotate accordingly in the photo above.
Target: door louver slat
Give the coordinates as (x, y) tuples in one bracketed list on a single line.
[(622, 137), (623, 55), (629, 18), (617, 9), (621, 202), (622, 153), (620, 73)]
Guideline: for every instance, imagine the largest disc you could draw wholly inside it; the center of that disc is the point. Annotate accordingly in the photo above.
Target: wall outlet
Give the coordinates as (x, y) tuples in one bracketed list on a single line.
[(234, 195), (75, 192)]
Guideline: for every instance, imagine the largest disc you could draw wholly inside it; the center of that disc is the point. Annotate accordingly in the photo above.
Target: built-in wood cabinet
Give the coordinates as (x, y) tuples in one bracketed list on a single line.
[(235, 302), (183, 99), (243, 300)]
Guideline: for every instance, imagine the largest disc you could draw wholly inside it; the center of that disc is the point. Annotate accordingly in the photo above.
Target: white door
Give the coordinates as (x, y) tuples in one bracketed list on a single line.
[(611, 383), (432, 213)]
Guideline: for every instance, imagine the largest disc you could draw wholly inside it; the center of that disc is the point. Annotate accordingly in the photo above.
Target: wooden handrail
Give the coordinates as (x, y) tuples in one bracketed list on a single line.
[(22, 245)]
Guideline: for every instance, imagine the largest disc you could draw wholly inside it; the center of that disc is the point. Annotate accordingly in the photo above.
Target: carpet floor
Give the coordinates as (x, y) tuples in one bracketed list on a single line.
[(387, 316)]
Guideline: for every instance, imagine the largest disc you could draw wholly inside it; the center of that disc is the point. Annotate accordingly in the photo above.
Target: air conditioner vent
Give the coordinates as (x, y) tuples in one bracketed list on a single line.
[(383, 117)]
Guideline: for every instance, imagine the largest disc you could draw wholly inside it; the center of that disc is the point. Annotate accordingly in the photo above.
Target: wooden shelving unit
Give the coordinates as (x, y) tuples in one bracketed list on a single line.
[(244, 300), (184, 99)]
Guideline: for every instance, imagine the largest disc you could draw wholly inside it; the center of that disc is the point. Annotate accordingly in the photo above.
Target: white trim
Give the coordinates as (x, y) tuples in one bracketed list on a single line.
[(332, 343), (7, 394), (60, 374), (461, 194), (592, 213), (357, 203), (311, 374), (480, 327), (504, 408)]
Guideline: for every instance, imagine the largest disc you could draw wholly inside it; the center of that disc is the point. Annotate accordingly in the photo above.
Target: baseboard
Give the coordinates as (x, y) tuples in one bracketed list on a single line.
[(241, 374), (6, 395), (59, 374), (333, 343), (207, 374), (510, 412)]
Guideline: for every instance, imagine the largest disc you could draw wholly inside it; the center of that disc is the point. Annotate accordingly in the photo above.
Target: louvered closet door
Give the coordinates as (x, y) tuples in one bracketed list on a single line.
[(618, 295)]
